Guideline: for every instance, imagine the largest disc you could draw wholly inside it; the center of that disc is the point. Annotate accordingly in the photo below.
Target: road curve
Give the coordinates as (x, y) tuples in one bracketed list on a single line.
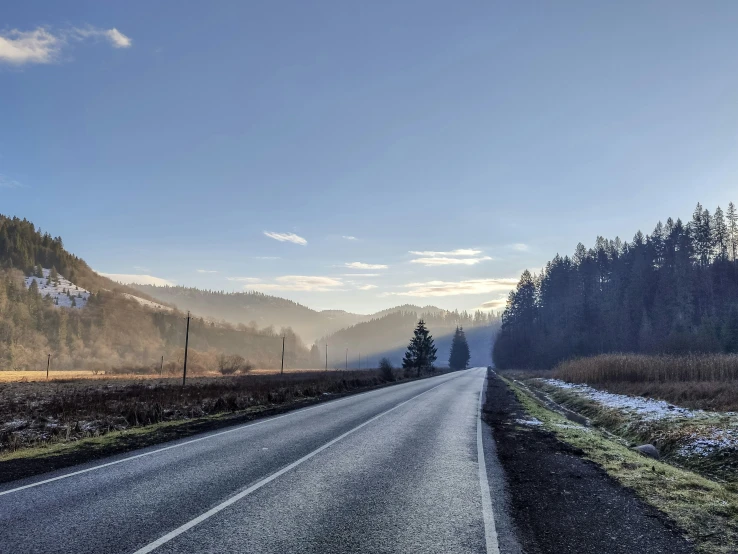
[(391, 470)]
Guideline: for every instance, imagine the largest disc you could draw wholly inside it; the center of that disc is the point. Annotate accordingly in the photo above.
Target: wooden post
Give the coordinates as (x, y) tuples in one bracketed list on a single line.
[(282, 370), (326, 356), (187, 342), (48, 363), (161, 367)]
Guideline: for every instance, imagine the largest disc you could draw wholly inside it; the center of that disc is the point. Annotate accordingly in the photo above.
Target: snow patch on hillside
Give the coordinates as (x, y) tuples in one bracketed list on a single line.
[(148, 303), (62, 292)]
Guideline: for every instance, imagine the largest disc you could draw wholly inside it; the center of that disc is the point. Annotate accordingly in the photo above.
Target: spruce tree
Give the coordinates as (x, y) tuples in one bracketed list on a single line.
[(459, 358), (732, 231), (421, 352), (720, 237)]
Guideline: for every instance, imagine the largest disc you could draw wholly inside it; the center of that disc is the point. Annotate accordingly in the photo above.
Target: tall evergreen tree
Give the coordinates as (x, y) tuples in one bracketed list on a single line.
[(720, 235), (459, 358), (732, 231), (421, 352)]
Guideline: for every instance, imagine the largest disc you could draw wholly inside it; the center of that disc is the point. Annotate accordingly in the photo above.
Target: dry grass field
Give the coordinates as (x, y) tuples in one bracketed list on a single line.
[(707, 381)]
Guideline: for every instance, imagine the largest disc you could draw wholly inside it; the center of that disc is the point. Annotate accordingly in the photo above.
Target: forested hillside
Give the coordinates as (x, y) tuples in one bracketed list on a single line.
[(673, 291), (253, 308), (389, 335), (112, 330)]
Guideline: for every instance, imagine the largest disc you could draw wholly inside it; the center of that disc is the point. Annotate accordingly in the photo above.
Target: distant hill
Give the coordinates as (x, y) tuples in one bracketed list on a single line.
[(254, 309), (262, 310)]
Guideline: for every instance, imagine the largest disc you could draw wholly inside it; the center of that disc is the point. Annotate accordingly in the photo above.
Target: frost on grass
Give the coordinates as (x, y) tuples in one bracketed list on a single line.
[(693, 432), (62, 291), (533, 422), (646, 408)]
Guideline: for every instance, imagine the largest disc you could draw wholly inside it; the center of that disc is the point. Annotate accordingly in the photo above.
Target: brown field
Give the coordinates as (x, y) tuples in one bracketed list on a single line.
[(78, 404), (708, 381), (84, 374)]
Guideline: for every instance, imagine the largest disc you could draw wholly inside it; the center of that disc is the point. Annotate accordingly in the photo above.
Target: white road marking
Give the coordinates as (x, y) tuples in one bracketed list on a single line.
[(490, 530), (158, 450), (233, 499)]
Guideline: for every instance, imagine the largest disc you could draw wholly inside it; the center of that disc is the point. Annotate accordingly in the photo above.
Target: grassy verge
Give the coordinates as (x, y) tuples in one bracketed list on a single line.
[(707, 511)]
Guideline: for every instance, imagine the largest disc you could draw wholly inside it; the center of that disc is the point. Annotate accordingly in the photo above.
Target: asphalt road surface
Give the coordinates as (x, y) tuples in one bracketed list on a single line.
[(391, 470)]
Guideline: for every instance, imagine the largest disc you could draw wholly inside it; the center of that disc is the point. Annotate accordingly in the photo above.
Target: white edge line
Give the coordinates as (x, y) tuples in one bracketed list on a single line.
[(235, 498), (490, 531), (233, 430)]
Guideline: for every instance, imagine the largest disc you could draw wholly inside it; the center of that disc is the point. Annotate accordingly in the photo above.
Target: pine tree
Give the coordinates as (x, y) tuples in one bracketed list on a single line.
[(53, 275), (732, 231), (720, 236), (421, 352), (459, 358)]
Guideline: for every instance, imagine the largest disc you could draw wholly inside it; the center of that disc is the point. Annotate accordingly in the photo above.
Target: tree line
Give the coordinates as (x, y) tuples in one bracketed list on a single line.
[(673, 291)]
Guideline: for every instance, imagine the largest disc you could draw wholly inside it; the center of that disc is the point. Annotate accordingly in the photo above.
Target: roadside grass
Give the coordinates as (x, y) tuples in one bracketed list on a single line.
[(705, 510), (701, 441), (104, 443)]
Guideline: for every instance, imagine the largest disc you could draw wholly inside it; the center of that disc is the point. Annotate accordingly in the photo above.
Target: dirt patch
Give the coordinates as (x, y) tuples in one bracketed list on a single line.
[(563, 503)]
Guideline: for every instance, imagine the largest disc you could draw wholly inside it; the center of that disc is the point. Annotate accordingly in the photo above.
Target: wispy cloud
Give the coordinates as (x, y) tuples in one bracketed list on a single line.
[(455, 288), (449, 261), (362, 265), (459, 252), (113, 36), (308, 283), (360, 274), (43, 45), (496, 304), (366, 287), (462, 256), (519, 247), (286, 237), (349, 237), (8, 183), (131, 279), (207, 271)]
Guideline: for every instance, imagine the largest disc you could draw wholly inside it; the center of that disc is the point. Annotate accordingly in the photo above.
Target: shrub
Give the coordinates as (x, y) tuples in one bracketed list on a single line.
[(230, 365), (386, 371)]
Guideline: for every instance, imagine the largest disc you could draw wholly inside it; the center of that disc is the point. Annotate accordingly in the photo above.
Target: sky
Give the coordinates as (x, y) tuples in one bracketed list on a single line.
[(360, 155)]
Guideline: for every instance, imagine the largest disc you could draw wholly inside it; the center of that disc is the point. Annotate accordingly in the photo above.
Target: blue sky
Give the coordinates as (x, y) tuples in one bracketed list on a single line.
[(458, 143)]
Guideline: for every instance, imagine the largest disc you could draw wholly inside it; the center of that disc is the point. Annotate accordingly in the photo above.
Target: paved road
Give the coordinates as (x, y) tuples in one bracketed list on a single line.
[(392, 470)]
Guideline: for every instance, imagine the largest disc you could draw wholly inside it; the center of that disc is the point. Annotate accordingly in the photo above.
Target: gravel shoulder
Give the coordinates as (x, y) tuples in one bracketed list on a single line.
[(560, 502)]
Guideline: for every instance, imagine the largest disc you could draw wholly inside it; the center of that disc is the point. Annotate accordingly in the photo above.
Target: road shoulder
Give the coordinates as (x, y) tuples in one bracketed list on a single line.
[(560, 502)]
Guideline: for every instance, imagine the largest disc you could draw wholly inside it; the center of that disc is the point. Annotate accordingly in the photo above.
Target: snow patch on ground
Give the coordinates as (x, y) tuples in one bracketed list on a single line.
[(710, 441), (533, 422), (702, 436), (62, 292), (647, 409)]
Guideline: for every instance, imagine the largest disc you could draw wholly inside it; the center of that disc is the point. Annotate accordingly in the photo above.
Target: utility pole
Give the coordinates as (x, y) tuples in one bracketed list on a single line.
[(326, 356), (187, 342), (282, 370), (346, 367), (48, 363), (359, 360), (161, 367)]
